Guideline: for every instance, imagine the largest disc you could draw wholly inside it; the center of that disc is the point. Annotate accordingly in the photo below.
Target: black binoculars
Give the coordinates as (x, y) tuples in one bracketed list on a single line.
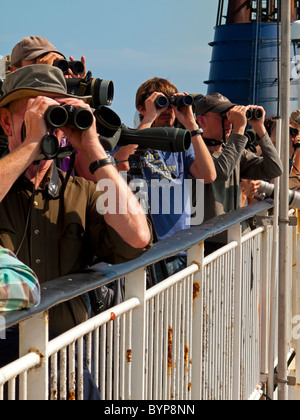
[(112, 133), (179, 101), (58, 116), (101, 91), (254, 114), (77, 67)]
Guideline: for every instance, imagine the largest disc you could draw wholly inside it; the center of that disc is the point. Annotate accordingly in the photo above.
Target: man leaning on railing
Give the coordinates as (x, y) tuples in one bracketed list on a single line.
[(51, 222)]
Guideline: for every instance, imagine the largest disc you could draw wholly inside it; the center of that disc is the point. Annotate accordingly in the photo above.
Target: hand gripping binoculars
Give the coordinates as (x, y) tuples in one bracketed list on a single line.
[(58, 116)]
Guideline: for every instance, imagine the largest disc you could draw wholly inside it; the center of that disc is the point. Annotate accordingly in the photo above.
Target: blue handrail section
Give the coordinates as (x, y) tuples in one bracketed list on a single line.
[(68, 287)]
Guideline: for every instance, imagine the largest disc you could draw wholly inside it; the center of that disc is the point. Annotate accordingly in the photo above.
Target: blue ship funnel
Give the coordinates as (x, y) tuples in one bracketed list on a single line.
[(244, 65)]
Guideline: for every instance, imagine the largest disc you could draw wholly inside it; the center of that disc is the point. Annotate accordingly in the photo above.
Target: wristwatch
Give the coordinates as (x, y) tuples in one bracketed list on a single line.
[(94, 166), (196, 132)]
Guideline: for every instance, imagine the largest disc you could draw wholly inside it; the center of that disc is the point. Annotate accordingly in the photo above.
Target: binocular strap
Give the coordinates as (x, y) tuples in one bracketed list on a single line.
[(212, 142)]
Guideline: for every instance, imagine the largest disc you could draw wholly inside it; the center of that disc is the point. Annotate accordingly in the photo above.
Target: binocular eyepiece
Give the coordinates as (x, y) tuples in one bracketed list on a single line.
[(77, 67), (101, 91), (179, 101), (254, 114), (58, 116)]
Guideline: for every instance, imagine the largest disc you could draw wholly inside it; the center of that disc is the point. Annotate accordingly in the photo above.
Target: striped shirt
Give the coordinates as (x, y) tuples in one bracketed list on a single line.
[(19, 286)]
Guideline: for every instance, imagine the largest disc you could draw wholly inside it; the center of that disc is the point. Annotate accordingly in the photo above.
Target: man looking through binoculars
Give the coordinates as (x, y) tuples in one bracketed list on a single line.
[(167, 168), (56, 234), (224, 125), (38, 50)]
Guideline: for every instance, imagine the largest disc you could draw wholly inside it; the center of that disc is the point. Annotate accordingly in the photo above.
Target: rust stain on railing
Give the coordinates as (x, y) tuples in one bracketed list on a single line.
[(170, 350)]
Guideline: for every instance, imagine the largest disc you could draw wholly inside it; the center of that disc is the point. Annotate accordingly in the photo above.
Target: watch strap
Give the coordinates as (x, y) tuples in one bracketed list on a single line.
[(196, 132), (94, 166)]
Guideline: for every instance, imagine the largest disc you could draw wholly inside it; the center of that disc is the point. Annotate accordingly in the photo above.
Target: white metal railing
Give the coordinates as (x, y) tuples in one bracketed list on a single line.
[(202, 334)]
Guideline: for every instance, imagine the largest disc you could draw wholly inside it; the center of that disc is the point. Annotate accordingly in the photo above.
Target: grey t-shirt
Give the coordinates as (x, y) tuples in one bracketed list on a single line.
[(232, 164)]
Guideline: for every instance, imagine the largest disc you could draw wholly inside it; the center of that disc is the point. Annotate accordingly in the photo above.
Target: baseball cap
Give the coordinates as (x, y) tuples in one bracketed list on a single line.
[(30, 48), (36, 80), (214, 102)]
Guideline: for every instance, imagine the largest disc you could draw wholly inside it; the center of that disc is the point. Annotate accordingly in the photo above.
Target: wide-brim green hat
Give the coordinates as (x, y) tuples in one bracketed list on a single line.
[(33, 81)]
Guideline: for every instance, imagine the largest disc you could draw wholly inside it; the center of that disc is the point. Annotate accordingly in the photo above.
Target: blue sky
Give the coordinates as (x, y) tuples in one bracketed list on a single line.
[(127, 42)]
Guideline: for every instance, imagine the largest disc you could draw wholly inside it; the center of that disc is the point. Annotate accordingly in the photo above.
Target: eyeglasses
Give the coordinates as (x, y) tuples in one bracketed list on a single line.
[(294, 132)]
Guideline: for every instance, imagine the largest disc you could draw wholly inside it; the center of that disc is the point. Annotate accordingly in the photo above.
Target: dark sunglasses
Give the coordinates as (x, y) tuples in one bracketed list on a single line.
[(294, 132)]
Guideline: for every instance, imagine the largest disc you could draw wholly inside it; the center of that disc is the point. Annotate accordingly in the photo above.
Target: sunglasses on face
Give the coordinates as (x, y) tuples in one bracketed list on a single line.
[(294, 132)]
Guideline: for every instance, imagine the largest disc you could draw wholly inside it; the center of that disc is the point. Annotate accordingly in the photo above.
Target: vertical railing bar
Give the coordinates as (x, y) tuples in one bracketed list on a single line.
[(189, 335), (258, 271), (234, 234), (96, 357), (165, 345), (185, 342), (219, 348), (244, 289), (135, 287), (221, 328), (182, 342), (248, 304), (205, 335), (53, 382), (228, 324), (191, 326), (116, 360), (80, 356), (12, 389), (161, 335), (23, 386), (178, 341), (103, 356), (211, 334), (89, 351), (170, 344), (72, 377), (250, 323), (216, 328), (175, 348), (63, 374), (128, 344), (156, 349), (151, 317), (122, 356), (147, 328), (109, 367)]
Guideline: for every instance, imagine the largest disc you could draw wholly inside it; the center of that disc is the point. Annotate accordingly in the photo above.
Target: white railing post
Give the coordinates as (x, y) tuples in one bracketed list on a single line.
[(196, 256), (266, 333), (295, 391), (135, 287), (235, 235), (297, 309), (34, 337)]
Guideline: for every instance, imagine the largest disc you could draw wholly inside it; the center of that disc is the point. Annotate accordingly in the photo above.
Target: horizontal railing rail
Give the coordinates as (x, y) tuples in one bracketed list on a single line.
[(204, 333), (68, 287)]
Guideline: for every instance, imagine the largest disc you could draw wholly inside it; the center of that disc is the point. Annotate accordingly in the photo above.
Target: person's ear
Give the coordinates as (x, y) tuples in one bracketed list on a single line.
[(141, 110), (6, 121), (201, 121)]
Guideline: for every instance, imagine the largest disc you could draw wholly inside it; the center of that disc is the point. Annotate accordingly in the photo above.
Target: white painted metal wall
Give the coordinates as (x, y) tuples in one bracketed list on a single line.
[(206, 333)]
